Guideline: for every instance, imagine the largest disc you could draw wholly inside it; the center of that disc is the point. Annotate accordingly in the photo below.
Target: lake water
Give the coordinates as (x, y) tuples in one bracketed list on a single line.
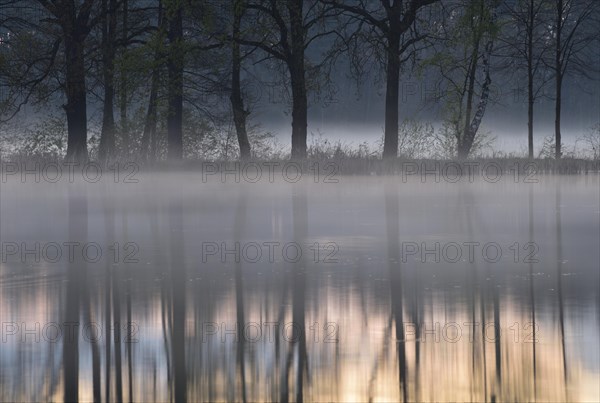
[(371, 288)]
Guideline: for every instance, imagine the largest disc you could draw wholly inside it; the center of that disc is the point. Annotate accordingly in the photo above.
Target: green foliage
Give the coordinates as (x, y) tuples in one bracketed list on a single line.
[(458, 59)]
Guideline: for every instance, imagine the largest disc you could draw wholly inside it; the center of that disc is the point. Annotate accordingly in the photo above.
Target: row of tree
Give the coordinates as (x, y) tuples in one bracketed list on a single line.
[(182, 58)]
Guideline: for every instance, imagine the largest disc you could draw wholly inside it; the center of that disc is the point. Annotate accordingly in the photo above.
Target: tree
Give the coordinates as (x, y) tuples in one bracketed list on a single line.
[(141, 55), (109, 27), (174, 15), (464, 66), (29, 55), (47, 30), (284, 30), (175, 37), (123, 90), (148, 142), (574, 32), (237, 103), (75, 23), (391, 27), (528, 46)]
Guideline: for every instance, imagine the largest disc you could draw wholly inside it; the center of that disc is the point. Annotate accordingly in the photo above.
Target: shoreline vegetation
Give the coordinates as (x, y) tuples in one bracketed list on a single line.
[(421, 152)]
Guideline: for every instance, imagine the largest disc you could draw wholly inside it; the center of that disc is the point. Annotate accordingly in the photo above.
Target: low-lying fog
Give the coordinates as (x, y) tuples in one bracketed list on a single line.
[(371, 288)]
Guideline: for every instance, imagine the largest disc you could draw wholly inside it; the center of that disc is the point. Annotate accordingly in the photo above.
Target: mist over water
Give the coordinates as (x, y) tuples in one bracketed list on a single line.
[(368, 289)]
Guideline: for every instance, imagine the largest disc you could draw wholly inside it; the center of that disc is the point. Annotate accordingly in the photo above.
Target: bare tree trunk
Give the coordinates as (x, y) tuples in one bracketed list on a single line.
[(77, 229), (129, 344), (175, 91), (558, 107), (530, 119), (150, 124), (559, 287), (390, 141), (239, 224), (148, 138), (108, 213), (497, 340), (298, 80), (299, 116), (107, 321), (465, 143), (392, 214), (116, 305), (107, 136), (237, 103), (74, 24), (532, 298), (123, 86), (178, 295), (87, 314), (530, 94), (76, 108), (71, 343), (467, 138), (558, 71), (472, 129), (300, 229)]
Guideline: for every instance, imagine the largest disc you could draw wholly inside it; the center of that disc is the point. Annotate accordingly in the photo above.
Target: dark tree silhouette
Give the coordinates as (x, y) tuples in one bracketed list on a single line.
[(284, 30), (390, 26), (75, 22), (51, 30), (178, 295), (575, 39), (392, 212), (527, 44), (148, 141), (123, 81), (109, 27), (463, 62), (237, 103), (174, 15)]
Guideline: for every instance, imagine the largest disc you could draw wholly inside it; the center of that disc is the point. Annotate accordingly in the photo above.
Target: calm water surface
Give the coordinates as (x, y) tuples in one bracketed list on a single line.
[(367, 289)]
